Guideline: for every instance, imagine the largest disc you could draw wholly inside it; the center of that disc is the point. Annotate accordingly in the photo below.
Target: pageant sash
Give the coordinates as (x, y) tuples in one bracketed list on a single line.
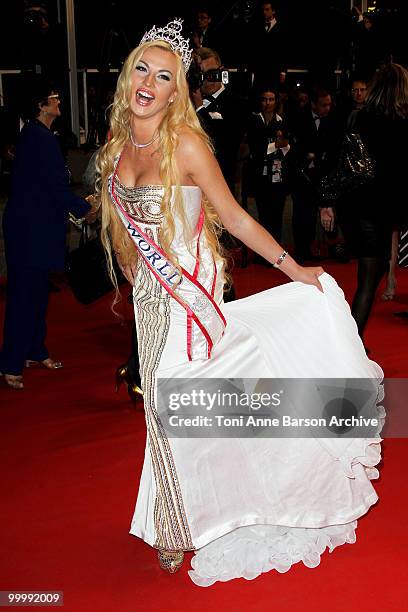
[(185, 288)]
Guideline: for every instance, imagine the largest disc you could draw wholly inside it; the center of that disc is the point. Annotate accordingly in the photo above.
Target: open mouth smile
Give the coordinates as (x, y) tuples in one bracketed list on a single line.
[(144, 97)]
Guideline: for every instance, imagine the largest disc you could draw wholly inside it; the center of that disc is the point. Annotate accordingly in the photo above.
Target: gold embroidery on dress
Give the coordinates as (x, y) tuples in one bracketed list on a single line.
[(153, 321), (143, 204)]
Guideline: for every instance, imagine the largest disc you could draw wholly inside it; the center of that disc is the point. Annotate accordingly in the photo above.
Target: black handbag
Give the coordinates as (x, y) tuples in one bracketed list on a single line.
[(354, 169), (87, 269)]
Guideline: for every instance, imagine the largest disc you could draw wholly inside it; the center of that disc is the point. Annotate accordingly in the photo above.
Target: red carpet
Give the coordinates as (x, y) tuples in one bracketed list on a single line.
[(71, 453)]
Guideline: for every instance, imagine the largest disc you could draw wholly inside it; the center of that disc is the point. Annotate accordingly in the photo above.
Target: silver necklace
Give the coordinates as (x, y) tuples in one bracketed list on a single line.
[(142, 145)]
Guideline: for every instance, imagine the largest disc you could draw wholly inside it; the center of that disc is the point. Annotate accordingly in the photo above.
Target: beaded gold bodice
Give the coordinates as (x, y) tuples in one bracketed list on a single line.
[(141, 203)]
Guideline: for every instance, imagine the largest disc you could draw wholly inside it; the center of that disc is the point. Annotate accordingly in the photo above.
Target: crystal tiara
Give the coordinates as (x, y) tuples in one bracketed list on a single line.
[(171, 33)]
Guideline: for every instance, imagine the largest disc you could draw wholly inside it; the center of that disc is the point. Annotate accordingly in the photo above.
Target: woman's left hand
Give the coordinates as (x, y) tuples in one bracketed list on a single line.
[(309, 276)]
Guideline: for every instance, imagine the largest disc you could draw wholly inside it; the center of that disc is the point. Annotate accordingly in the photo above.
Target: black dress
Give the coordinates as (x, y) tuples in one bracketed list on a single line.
[(370, 213)]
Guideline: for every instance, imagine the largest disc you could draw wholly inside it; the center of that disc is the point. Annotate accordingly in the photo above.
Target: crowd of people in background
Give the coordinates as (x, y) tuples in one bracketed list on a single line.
[(294, 136), (275, 134)]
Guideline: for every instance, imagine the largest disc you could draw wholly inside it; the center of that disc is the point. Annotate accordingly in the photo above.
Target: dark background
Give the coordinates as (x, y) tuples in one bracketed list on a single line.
[(315, 28), (317, 38)]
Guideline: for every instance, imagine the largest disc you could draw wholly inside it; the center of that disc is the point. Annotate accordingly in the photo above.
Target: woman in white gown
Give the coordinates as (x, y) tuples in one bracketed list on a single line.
[(245, 506)]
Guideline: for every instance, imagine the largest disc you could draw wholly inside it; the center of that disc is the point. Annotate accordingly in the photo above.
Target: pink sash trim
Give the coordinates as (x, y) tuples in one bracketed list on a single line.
[(199, 228), (191, 316), (195, 274)]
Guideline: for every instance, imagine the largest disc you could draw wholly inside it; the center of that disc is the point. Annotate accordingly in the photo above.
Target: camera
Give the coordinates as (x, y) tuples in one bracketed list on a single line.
[(216, 75)]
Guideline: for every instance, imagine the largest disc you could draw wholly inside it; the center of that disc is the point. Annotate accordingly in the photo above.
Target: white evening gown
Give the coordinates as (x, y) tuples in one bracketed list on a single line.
[(246, 506)]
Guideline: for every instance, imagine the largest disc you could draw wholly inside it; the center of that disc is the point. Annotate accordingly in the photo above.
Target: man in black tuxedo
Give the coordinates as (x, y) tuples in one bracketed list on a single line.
[(222, 113), (204, 35), (316, 138), (267, 61)]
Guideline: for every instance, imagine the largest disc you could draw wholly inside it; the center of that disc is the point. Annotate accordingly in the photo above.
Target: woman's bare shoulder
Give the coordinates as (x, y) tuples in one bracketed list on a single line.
[(193, 152), (190, 141)]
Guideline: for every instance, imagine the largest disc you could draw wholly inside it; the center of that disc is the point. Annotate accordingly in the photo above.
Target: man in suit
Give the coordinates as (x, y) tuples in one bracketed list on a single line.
[(267, 61), (222, 113), (204, 35), (316, 138)]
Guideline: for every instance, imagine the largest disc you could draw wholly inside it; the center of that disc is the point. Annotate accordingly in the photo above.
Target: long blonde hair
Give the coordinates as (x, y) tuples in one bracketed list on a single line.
[(180, 114)]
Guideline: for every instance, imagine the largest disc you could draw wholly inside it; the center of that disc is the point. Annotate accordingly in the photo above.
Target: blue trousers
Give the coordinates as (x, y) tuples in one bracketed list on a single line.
[(25, 319)]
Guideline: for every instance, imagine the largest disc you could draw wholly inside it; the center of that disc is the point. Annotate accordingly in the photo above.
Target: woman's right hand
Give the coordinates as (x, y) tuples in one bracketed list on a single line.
[(128, 270)]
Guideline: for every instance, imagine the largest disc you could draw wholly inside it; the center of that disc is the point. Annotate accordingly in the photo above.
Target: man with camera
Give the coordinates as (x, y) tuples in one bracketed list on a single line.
[(222, 112)]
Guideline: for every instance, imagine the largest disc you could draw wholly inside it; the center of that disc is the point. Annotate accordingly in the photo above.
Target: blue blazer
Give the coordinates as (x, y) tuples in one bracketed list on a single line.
[(36, 214)]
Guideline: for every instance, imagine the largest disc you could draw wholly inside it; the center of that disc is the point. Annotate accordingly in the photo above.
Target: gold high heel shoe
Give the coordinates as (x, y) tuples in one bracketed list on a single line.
[(170, 560), (123, 375)]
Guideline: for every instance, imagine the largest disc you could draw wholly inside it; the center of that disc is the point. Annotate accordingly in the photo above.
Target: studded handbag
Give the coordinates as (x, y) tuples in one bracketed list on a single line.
[(354, 169)]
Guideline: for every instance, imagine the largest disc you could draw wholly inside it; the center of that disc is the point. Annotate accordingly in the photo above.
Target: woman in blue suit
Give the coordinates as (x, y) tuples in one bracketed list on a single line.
[(34, 224)]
